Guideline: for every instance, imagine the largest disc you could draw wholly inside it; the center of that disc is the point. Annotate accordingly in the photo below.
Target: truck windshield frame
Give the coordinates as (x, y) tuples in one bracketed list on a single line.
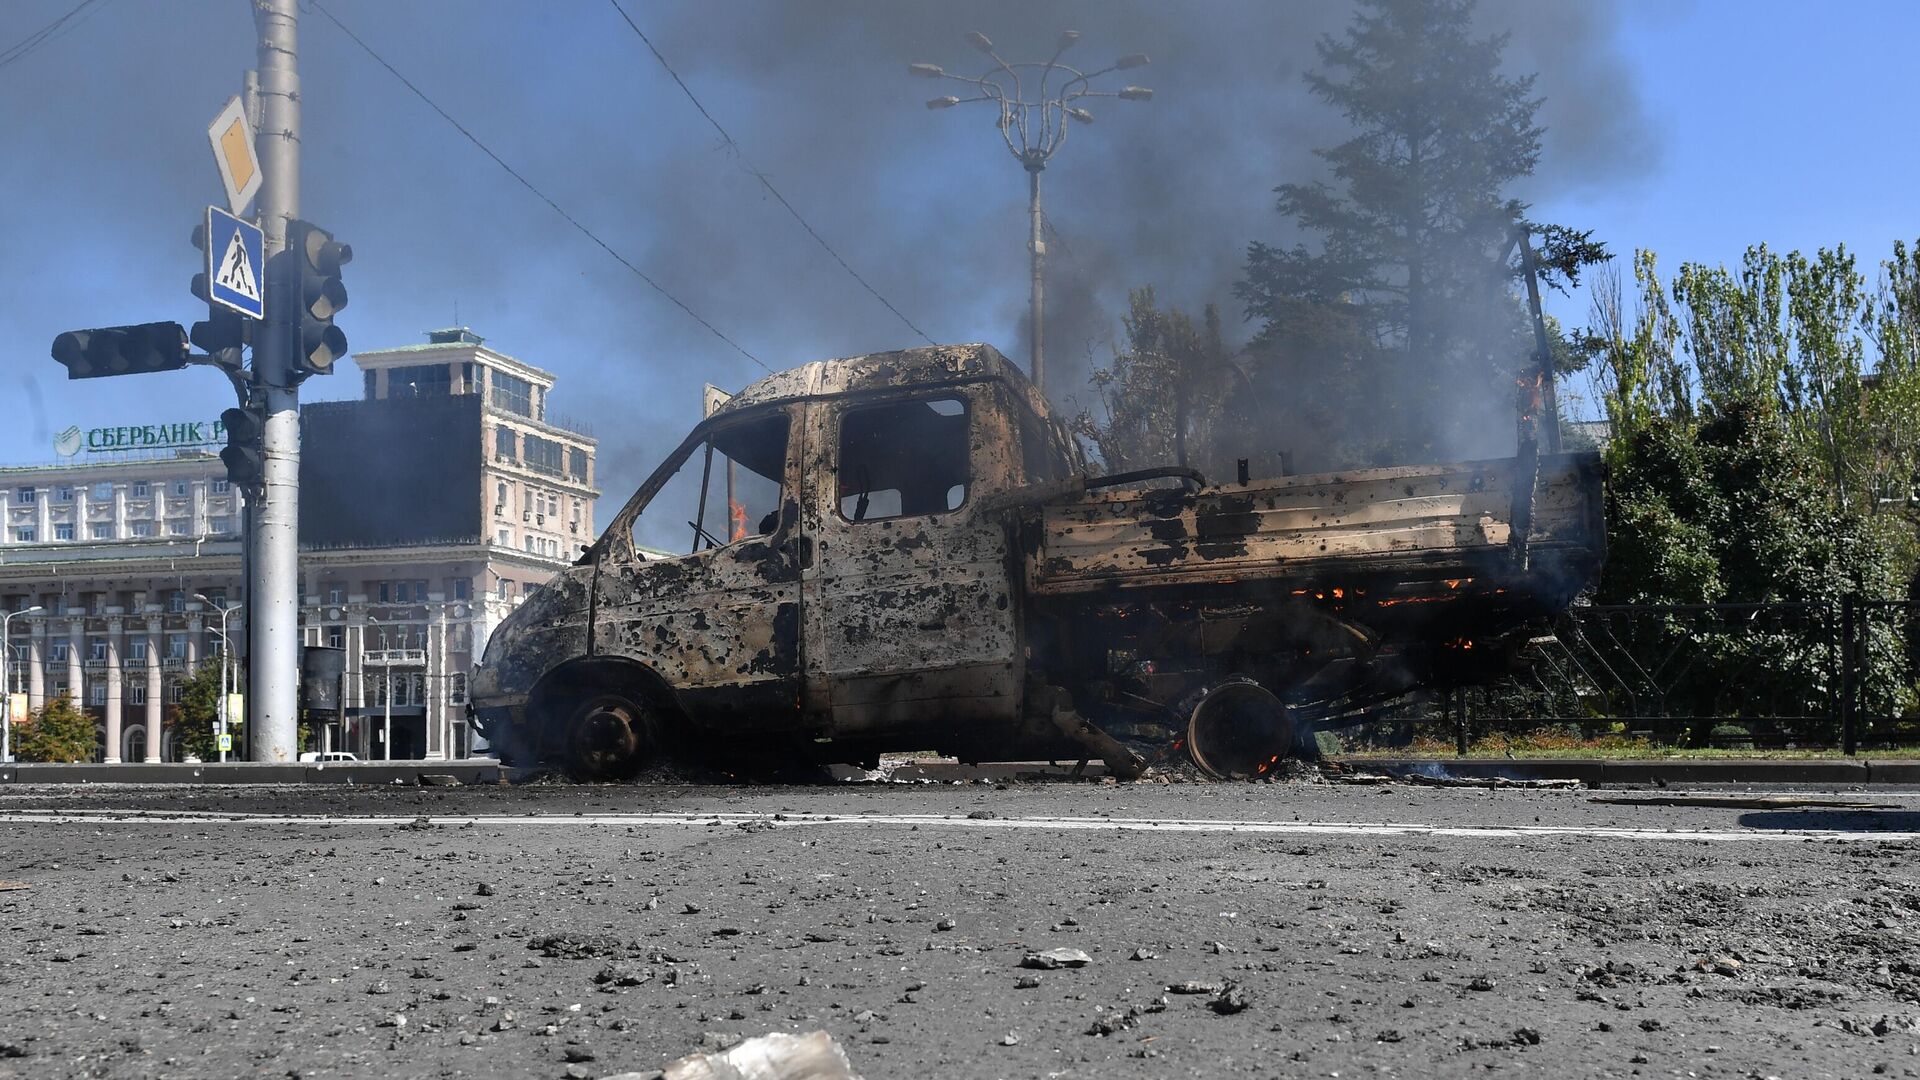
[(617, 539)]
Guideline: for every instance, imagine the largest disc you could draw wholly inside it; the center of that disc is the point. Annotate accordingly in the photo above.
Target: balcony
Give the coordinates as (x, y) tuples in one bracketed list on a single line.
[(395, 657)]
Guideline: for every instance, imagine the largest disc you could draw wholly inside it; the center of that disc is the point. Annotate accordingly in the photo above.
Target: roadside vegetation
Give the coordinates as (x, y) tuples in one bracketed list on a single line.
[(1762, 435)]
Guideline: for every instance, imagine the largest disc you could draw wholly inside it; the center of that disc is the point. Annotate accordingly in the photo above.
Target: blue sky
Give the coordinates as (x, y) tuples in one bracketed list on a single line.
[(1693, 128)]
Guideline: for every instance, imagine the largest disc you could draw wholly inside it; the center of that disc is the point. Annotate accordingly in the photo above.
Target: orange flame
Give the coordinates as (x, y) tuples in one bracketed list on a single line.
[(738, 515)]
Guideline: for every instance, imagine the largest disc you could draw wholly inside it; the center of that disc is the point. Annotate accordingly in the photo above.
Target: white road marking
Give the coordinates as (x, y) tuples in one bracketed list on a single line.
[(97, 817)]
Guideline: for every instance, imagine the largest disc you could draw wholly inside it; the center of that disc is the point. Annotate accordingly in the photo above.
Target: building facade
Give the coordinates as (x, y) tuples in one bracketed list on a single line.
[(429, 508)]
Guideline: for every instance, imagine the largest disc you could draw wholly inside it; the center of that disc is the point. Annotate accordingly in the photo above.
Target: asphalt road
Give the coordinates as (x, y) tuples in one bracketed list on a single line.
[(1329, 931)]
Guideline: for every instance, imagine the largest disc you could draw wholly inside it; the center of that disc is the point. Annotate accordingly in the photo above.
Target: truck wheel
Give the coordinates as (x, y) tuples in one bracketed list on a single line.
[(608, 737), (1238, 730)]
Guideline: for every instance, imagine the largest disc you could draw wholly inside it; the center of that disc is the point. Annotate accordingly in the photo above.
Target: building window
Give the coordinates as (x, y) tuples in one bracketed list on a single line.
[(370, 385), (515, 395), (63, 531), (220, 485), (23, 496), (100, 530), (335, 636), (459, 588), (177, 601), (504, 444), (219, 598), (181, 489), (528, 541), (101, 492), (505, 538), (577, 464), (143, 528), (177, 527), (457, 688), (506, 589), (137, 649), (544, 455), (23, 536), (141, 489), (97, 692), (63, 493), (336, 594), (58, 651), (499, 499), (97, 603), (97, 648), (176, 692), (176, 646), (220, 526), (420, 380)]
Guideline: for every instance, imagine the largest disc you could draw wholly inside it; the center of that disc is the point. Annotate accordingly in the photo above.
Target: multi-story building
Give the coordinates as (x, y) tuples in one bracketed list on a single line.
[(428, 509)]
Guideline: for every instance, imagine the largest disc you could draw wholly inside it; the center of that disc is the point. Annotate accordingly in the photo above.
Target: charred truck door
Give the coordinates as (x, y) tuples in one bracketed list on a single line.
[(908, 619), (719, 625)]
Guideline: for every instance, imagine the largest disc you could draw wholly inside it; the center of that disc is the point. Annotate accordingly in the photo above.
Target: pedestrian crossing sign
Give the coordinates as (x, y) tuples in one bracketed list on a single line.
[(235, 261)]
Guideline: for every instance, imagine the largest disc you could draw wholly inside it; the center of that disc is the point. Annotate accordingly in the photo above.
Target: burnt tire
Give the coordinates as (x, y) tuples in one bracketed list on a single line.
[(607, 736)]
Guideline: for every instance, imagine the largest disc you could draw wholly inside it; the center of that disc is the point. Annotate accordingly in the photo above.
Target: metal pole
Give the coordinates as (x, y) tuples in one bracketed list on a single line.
[(6, 664), (1037, 245), (273, 658)]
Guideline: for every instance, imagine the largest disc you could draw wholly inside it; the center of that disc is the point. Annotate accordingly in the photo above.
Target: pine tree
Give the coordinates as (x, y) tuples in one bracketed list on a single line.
[(1414, 238)]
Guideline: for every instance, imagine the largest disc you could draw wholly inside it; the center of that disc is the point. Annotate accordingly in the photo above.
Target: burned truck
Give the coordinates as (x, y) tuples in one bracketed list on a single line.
[(907, 552)]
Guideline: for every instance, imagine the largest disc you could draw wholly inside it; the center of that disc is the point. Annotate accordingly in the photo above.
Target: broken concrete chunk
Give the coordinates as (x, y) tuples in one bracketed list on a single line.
[(1231, 999), (775, 1056), (1048, 959)]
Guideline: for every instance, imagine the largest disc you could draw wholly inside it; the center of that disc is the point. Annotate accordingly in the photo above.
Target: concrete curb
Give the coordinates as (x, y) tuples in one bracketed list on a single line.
[(1601, 772), (471, 771)]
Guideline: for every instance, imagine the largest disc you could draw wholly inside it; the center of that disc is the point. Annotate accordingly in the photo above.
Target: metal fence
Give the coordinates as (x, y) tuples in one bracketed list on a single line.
[(1842, 675)]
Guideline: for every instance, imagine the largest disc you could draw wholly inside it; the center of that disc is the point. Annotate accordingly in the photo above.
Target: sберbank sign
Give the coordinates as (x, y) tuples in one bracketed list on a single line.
[(180, 435)]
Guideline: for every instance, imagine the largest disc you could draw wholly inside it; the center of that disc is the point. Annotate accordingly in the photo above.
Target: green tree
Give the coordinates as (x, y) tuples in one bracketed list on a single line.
[(1162, 397), (1415, 236), (60, 731), (198, 711)]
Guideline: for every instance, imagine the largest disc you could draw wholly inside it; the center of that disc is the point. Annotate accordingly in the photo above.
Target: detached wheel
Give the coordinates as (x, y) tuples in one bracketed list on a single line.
[(608, 737)]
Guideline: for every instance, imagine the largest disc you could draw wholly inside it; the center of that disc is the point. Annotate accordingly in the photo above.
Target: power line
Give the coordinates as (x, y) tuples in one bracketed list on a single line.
[(541, 195), (20, 49), (761, 176)]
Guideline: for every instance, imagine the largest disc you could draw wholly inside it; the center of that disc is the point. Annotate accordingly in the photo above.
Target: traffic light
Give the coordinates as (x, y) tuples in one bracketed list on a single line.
[(199, 287), (245, 454), (316, 258), (122, 350), (222, 335)]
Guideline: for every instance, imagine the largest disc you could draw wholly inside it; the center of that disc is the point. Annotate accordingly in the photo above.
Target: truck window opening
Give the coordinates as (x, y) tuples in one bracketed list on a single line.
[(903, 460), (726, 489)]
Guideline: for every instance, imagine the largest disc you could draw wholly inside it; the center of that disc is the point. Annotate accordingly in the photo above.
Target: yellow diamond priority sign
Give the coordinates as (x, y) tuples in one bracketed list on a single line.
[(232, 139)]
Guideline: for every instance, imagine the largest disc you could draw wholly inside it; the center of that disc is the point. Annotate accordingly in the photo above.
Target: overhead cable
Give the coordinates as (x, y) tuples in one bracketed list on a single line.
[(541, 195), (761, 176)]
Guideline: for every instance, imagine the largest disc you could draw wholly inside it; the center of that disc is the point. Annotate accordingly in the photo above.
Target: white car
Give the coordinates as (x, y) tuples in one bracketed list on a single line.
[(331, 755)]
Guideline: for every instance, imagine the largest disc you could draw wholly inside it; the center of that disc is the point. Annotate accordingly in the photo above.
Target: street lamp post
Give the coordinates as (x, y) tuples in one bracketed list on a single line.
[(6, 663), (226, 653), (1033, 121)]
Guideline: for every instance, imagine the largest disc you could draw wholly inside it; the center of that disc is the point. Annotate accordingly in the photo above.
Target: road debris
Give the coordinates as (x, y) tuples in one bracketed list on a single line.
[(1048, 959), (774, 1056)]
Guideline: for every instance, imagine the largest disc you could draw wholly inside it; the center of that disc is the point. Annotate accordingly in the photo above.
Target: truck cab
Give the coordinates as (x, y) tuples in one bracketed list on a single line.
[(842, 581)]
